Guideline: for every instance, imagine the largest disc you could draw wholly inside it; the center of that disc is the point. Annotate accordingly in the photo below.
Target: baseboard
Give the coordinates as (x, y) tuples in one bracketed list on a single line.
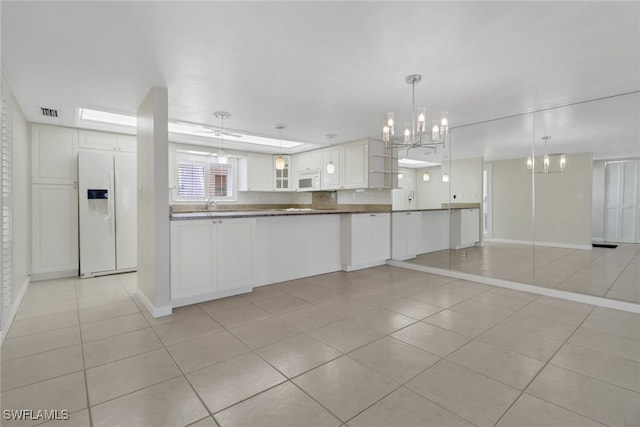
[(180, 302), (598, 239), (550, 292), (349, 267), (36, 277), (164, 310), (14, 309), (536, 243)]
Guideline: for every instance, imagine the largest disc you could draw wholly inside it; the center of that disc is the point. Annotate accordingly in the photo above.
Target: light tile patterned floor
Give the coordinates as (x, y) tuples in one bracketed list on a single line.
[(612, 273), (379, 347)]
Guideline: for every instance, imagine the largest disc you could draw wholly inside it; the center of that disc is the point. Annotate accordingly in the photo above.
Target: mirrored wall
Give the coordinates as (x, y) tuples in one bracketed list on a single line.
[(544, 187)]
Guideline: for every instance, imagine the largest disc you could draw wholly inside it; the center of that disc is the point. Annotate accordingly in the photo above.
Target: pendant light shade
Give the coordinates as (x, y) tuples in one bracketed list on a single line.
[(280, 162), (426, 176), (331, 167), (222, 156), (445, 177)]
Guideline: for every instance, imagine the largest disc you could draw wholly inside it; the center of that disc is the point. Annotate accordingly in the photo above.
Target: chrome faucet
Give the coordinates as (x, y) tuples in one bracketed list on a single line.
[(210, 202)]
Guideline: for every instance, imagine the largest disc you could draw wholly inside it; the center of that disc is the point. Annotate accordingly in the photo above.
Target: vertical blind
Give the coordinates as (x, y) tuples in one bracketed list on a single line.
[(7, 205)]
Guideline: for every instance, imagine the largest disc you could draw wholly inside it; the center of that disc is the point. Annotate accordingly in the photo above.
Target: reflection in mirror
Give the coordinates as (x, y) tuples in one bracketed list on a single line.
[(538, 228), (594, 200)]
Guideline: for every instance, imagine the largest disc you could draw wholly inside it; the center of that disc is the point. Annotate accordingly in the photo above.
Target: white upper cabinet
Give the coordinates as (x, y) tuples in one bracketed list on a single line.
[(351, 166), (310, 160), (107, 141), (355, 164), (256, 172), (54, 155)]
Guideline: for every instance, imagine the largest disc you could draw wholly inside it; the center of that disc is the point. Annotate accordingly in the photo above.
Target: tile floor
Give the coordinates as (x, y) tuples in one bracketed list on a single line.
[(612, 273), (379, 347)]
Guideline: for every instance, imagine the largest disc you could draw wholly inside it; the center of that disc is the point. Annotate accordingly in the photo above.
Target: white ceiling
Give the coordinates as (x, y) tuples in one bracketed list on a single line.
[(338, 67)]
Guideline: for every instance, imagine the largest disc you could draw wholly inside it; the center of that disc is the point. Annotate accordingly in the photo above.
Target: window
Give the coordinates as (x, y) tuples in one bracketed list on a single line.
[(201, 177)]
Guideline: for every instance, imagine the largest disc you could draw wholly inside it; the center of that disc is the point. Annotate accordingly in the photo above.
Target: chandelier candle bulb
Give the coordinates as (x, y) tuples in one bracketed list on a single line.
[(563, 162), (421, 119), (407, 134), (435, 131), (444, 122), (529, 163), (546, 163)]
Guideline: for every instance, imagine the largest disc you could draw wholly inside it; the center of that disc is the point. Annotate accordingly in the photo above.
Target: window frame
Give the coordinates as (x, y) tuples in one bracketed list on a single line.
[(209, 161)]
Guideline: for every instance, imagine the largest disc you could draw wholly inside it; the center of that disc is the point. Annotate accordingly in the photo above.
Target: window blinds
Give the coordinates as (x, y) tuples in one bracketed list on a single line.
[(6, 187)]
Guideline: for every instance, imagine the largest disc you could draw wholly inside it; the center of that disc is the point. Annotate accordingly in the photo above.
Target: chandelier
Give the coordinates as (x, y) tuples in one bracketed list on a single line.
[(546, 161), (415, 134)]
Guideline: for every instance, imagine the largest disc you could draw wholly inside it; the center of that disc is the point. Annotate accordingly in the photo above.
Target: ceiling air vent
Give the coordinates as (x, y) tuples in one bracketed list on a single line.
[(49, 112)]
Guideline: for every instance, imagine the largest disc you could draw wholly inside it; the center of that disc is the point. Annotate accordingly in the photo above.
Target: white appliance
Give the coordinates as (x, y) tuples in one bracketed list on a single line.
[(108, 212), (309, 180)]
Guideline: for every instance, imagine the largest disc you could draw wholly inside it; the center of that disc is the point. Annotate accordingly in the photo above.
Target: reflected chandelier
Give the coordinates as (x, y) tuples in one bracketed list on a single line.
[(546, 161), (416, 134)]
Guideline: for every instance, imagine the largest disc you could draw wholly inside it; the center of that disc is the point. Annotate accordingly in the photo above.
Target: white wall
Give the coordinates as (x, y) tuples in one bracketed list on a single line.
[(511, 200), (21, 205), (404, 198), (465, 183), (597, 201), (563, 202), (153, 203)]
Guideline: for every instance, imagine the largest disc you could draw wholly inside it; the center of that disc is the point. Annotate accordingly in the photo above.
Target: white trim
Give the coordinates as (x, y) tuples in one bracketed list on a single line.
[(179, 302), (349, 267), (36, 277), (14, 309), (156, 312), (536, 243), (550, 292), (598, 239)]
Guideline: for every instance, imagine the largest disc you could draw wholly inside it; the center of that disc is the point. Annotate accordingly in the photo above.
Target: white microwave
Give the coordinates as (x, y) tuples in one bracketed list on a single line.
[(309, 180)]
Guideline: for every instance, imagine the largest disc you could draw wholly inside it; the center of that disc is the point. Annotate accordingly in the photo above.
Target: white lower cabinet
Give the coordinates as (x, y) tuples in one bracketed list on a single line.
[(211, 258), (465, 228), (364, 239), (406, 233), (55, 231)]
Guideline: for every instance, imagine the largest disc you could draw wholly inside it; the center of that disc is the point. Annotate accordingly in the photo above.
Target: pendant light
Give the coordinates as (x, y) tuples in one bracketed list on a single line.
[(426, 176), (280, 163), (223, 158), (331, 167), (445, 177)]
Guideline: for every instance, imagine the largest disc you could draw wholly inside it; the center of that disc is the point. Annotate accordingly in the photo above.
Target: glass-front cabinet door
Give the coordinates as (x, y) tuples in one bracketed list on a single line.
[(283, 176)]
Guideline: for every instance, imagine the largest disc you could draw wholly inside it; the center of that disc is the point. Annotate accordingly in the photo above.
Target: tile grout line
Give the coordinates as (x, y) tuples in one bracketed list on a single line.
[(84, 368), (543, 368)]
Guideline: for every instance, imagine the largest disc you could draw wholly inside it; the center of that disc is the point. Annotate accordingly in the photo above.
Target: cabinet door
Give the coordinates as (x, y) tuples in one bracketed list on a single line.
[(414, 233), (282, 177), (355, 160), (469, 226), (193, 258), (54, 152), (380, 236), (128, 143), (54, 228), (361, 238), (331, 181), (97, 140), (400, 224), (236, 253)]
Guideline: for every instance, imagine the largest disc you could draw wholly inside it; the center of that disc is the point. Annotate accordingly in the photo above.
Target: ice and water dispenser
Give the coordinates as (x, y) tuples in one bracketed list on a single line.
[(98, 201)]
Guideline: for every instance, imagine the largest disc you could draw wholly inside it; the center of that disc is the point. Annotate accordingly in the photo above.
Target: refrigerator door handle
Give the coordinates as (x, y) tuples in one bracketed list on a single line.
[(110, 197)]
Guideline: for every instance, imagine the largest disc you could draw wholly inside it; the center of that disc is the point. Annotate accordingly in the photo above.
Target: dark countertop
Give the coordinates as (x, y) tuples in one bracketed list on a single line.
[(348, 209)]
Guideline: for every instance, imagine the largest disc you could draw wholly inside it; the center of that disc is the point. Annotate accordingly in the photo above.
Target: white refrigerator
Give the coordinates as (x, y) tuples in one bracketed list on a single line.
[(108, 212)]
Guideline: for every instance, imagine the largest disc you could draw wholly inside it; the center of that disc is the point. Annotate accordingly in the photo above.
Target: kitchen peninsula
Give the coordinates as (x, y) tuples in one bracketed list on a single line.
[(224, 252)]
